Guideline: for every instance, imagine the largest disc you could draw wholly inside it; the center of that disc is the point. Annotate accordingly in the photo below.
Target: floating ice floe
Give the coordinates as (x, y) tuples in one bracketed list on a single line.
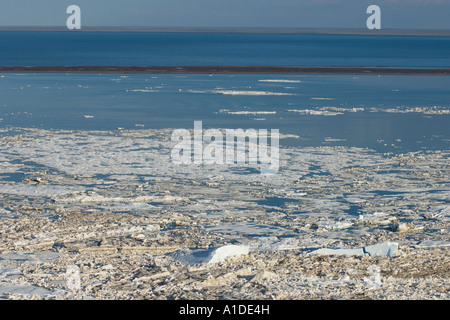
[(315, 112), (209, 256), (252, 93), (252, 112), (320, 98), (384, 249), (329, 139), (280, 81), (436, 110), (142, 90)]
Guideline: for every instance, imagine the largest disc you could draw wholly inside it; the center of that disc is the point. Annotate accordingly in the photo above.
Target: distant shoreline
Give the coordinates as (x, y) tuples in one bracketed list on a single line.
[(338, 31), (225, 70)]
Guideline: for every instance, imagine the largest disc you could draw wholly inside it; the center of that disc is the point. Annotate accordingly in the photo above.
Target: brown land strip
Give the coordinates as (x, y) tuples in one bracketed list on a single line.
[(225, 70)]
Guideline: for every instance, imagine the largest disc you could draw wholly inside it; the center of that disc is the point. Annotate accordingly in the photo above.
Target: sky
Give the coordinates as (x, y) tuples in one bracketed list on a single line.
[(395, 14)]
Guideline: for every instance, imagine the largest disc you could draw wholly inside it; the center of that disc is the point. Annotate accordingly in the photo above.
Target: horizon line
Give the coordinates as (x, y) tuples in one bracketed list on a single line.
[(270, 30)]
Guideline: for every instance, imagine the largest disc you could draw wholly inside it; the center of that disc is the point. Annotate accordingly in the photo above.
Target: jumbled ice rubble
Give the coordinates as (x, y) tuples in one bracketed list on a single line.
[(137, 224), (217, 255)]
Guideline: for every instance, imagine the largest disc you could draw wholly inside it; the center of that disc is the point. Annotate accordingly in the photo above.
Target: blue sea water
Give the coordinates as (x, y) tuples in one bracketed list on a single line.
[(60, 101), (95, 177), (129, 49)]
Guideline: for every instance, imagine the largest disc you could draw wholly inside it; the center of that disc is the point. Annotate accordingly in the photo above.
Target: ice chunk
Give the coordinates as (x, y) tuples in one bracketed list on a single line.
[(384, 249), (192, 257), (222, 253)]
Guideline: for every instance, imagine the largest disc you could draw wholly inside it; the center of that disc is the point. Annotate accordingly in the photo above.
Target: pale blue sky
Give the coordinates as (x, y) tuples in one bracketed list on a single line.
[(396, 14)]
